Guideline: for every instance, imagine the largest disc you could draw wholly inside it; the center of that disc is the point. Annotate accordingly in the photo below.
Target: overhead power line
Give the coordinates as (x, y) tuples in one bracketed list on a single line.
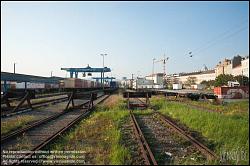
[(227, 34)]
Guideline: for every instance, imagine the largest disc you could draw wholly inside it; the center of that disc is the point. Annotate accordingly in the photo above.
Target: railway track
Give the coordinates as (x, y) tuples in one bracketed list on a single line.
[(35, 137), (36, 105), (162, 141), (147, 154), (201, 147)]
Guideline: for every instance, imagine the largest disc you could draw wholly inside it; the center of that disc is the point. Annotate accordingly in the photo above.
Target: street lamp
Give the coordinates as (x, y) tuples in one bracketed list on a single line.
[(102, 75)]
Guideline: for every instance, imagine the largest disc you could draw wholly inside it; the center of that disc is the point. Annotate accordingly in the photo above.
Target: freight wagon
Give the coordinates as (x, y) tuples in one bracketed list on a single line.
[(73, 83), (30, 85)]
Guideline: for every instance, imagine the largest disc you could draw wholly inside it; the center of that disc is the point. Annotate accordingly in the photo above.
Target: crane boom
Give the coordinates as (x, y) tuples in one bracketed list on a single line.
[(164, 63)]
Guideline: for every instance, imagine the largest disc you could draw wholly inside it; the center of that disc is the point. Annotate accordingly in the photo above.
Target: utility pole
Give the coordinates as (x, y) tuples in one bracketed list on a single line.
[(132, 81), (14, 67), (153, 66), (102, 75), (242, 78)]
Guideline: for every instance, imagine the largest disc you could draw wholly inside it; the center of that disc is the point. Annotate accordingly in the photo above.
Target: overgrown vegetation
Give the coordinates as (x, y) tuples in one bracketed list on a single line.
[(208, 84), (228, 132), (243, 80), (99, 135), (13, 124), (239, 108), (223, 79)]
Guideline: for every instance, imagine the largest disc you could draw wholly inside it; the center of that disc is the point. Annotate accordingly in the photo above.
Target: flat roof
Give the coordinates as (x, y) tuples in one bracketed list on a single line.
[(198, 72), (6, 76)]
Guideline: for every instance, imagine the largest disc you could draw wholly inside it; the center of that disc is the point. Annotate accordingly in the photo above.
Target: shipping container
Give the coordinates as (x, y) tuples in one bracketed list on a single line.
[(69, 83), (20, 85), (54, 85), (232, 92), (30, 85), (47, 86), (84, 83), (74, 83), (88, 84)]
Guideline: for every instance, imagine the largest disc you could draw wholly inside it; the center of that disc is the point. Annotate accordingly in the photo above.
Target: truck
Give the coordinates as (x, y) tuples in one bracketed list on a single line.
[(233, 83)]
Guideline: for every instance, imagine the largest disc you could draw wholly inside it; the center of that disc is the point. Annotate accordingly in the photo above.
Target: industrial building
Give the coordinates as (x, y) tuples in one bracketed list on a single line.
[(154, 81), (197, 76), (157, 78)]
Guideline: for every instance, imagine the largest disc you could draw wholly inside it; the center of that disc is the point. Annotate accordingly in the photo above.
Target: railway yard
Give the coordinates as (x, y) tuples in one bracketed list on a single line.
[(121, 83), (121, 126)]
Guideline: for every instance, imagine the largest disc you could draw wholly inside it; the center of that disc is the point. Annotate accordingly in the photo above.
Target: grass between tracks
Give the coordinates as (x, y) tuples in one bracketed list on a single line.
[(99, 135), (229, 131), (239, 108), (13, 124)]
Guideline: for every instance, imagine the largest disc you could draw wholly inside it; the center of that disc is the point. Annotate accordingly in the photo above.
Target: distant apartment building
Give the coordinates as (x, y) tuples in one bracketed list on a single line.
[(237, 66), (245, 66), (224, 67)]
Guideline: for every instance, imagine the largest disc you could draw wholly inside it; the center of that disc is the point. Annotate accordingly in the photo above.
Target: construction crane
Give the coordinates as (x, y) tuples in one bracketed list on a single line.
[(164, 63)]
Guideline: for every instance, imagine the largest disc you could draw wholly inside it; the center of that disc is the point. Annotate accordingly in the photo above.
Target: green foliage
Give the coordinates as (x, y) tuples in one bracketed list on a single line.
[(13, 124), (191, 80), (208, 84), (99, 135), (223, 79), (227, 132), (239, 108), (243, 80)]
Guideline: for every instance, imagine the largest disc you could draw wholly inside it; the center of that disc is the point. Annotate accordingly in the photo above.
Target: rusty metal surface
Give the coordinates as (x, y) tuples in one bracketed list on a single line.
[(145, 149), (41, 134), (34, 106), (201, 147), (137, 94)]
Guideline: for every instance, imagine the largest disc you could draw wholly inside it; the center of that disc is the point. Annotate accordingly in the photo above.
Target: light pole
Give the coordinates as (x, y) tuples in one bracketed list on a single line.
[(132, 81), (51, 73), (242, 78), (102, 75), (15, 67), (153, 66)]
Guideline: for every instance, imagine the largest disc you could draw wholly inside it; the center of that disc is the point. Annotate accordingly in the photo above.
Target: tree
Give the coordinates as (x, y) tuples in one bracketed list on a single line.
[(243, 80), (208, 84), (223, 79), (191, 80)]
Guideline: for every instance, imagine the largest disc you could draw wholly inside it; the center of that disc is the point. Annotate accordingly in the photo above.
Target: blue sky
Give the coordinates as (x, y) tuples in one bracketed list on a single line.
[(44, 36)]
